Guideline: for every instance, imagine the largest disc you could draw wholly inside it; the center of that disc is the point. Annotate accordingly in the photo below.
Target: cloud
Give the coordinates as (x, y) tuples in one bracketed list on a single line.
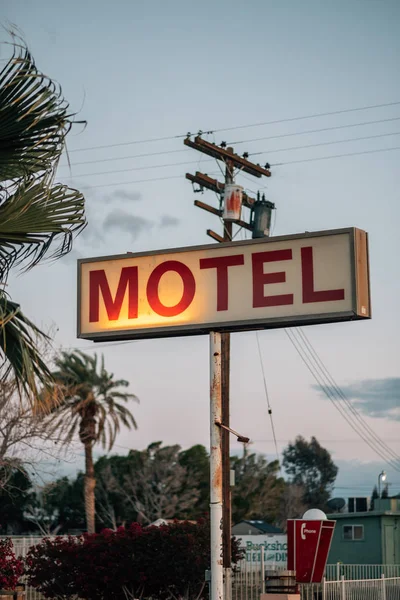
[(125, 195), (124, 221), (168, 221), (375, 397)]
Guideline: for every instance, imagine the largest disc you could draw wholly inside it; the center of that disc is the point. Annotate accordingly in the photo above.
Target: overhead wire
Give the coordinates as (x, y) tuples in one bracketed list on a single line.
[(327, 441), (303, 160), (321, 130), (178, 164), (97, 345), (270, 151), (268, 399), (355, 415), (103, 185), (114, 158), (235, 127), (378, 449), (317, 144), (311, 116), (342, 395), (331, 397), (270, 137)]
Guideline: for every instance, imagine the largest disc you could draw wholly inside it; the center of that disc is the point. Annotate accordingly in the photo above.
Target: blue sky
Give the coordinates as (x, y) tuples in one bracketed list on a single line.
[(142, 70)]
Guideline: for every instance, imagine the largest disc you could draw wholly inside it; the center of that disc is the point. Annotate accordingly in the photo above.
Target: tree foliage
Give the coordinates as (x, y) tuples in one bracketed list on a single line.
[(258, 488), (25, 437), (134, 562), (38, 217), (374, 496), (14, 499), (150, 484), (310, 465), (88, 401), (163, 482)]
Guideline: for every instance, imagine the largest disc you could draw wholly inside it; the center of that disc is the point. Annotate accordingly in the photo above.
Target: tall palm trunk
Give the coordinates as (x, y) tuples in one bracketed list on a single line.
[(90, 484)]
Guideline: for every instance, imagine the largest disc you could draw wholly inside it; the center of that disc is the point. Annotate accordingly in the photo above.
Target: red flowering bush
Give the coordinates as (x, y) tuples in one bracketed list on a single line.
[(152, 562), (53, 566), (11, 567)]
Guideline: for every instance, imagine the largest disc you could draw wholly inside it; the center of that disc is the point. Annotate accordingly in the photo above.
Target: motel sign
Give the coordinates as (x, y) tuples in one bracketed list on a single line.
[(256, 284)]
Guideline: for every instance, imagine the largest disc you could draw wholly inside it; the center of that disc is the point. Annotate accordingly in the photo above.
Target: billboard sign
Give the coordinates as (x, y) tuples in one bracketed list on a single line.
[(274, 548), (317, 277), (308, 548)]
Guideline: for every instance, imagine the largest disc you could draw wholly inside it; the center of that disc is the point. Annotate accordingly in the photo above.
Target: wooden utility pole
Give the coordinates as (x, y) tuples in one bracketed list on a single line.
[(231, 161), (225, 413)]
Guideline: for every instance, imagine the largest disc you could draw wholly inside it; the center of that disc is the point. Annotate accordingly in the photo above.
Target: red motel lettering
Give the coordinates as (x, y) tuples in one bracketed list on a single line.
[(307, 272), (128, 285), (260, 278), (189, 288), (221, 264), (98, 282)]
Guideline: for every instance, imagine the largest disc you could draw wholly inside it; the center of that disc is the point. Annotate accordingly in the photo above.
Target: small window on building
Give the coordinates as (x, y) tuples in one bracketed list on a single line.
[(358, 532), (353, 532)]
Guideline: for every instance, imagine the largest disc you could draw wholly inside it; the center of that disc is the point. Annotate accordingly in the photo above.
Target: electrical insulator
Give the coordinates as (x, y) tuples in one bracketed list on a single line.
[(261, 217)]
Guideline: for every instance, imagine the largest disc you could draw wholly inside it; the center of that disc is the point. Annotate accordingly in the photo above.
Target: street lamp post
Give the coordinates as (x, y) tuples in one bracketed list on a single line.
[(381, 477)]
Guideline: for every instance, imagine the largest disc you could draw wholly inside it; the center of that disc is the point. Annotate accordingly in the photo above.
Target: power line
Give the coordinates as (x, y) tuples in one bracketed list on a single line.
[(322, 384), (138, 169), (358, 487), (332, 383), (271, 137), (312, 116), (267, 397), (98, 345), (146, 154), (145, 141), (303, 160), (341, 394), (276, 121), (323, 129), (178, 164), (273, 165), (355, 139), (338, 441), (142, 180), (136, 181)]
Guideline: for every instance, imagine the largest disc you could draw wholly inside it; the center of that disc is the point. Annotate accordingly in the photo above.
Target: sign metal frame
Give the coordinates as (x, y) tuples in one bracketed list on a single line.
[(359, 281)]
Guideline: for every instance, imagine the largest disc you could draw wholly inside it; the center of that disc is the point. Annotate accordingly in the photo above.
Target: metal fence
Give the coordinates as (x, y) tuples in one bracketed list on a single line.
[(356, 582), (339, 570), (384, 588), (248, 582)]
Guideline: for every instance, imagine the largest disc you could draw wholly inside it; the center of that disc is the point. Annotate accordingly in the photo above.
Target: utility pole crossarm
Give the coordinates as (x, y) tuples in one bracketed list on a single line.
[(243, 224), (215, 236), (208, 208), (214, 185), (225, 155)]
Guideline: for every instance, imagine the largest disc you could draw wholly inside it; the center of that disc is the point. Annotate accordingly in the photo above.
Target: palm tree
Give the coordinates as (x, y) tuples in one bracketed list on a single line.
[(37, 216), (87, 400)]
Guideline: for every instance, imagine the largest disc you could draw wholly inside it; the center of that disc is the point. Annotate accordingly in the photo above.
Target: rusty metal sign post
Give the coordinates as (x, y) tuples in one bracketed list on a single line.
[(216, 504)]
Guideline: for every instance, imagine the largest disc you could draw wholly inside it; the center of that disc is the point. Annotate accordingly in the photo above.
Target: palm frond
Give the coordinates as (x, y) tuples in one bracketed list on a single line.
[(87, 389), (33, 118), (19, 352), (35, 218)]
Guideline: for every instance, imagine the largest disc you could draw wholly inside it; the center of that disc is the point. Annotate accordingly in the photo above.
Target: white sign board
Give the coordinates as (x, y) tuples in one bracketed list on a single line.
[(274, 282), (274, 548)]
